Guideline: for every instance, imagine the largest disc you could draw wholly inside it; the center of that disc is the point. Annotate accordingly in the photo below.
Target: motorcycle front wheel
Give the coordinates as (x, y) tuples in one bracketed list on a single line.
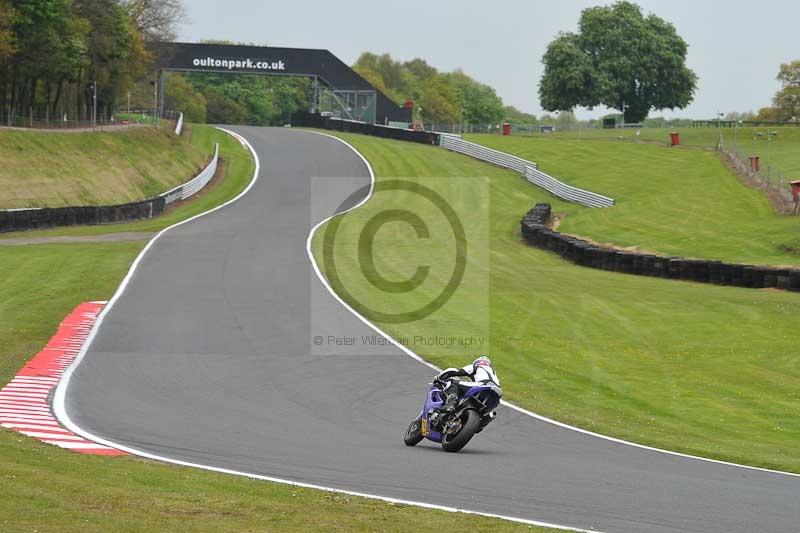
[(470, 422), (413, 434)]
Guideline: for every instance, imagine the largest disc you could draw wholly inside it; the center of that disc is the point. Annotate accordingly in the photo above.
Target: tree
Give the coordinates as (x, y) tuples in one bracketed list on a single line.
[(53, 51), (180, 95), (770, 114), (250, 99), (439, 101), (787, 99), (8, 17), (737, 116), (110, 46), (516, 116), (223, 110), (376, 80), (619, 58), (157, 20), (8, 46), (445, 98), (480, 102), (387, 75), (48, 40)]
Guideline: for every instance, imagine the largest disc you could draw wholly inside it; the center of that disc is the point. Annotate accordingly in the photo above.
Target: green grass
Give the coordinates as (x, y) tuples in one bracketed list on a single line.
[(680, 202), (695, 368), (239, 168), (46, 169), (46, 488), (44, 283), (785, 148)]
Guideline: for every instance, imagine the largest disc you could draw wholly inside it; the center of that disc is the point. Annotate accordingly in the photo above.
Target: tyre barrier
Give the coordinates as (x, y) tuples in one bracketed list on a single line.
[(584, 253), (26, 219), (51, 217), (315, 120)]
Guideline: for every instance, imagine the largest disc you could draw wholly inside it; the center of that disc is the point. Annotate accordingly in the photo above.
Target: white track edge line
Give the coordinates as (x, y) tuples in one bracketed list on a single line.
[(517, 408), (59, 397)]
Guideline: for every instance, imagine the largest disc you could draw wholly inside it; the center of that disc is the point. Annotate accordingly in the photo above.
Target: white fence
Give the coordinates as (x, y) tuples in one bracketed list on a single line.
[(567, 192), (179, 127), (525, 168), (191, 187), (502, 159)]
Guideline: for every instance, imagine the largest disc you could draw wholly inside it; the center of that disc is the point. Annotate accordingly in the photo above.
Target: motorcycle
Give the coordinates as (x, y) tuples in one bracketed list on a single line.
[(473, 412)]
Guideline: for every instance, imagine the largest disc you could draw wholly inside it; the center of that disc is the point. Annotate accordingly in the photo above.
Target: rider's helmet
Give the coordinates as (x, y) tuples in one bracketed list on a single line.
[(483, 360)]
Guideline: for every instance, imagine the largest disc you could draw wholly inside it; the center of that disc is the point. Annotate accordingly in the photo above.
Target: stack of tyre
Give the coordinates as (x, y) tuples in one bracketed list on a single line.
[(584, 253)]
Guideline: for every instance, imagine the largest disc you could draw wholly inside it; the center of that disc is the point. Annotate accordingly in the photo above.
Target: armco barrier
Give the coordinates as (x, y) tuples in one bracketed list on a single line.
[(584, 253), (527, 169), (478, 151), (456, 144), (567, 192), (314, 120), (191, 187), (26, 219)]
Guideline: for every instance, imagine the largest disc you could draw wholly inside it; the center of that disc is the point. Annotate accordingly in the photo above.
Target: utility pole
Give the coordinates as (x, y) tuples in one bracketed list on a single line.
[(622, 136), (129, 107)]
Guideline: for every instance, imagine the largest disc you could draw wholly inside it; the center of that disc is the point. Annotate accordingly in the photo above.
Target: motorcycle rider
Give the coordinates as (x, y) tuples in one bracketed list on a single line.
[(479, 371)]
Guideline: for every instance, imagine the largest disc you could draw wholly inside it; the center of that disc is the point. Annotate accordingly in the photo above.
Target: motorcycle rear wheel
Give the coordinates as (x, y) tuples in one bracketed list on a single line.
[(413, 434), (470, 422)]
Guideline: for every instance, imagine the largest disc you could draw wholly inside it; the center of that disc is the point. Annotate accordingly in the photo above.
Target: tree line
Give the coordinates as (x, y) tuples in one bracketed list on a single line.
[(236, 98), (57, 56), (786, 102), (444, 97), (54, 53)]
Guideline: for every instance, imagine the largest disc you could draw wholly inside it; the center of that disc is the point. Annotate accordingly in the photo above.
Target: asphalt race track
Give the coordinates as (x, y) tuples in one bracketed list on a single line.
[(208, 358)]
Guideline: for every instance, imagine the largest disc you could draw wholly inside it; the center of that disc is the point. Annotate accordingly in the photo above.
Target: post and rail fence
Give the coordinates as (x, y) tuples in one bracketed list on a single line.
[(40, 121)]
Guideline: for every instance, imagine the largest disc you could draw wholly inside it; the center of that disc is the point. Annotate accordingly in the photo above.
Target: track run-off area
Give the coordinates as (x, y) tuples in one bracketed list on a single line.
[(205, 356)]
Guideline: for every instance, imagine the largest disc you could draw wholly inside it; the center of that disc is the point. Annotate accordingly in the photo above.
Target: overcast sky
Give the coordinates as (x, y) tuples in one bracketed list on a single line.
[(735, 47)]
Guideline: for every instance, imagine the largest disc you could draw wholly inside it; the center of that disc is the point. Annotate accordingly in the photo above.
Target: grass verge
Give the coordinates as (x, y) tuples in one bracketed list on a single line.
[(678, 202), (700, 369), (45, 169), (47, 488), (239, 170), (783, 149)]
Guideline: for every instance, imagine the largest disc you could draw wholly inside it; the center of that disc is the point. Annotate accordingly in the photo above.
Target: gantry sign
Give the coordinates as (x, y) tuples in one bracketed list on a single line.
[(335, 87)]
